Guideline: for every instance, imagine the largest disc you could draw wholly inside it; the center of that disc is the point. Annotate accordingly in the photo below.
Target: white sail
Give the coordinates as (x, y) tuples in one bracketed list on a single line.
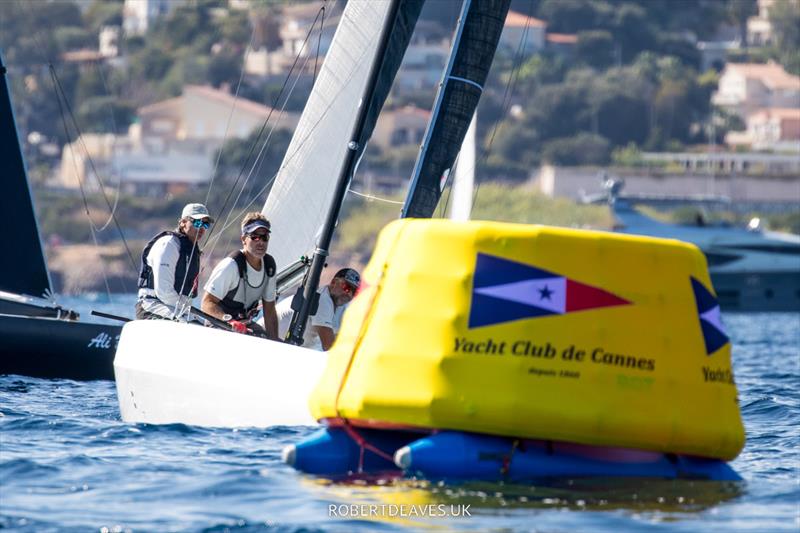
[(464, 180), (304, 187)]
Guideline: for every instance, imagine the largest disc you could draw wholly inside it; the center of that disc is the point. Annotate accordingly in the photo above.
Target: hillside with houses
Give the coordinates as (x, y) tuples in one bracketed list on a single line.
[(156, 102)]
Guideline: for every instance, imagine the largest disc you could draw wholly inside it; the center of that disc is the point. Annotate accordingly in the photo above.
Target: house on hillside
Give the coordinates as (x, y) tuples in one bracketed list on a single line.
[(524, 33), (561, 43), (759, 28), (138, 15), (202, 117), (744, 88), (401, 127), (771, 129), (296, 42), (171, 147), (776, 129)]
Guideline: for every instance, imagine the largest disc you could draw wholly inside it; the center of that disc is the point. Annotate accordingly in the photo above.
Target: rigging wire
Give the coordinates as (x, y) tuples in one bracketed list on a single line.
[(376, 198), (319, 44), (230, 115), (258, 161), (62, 93), (254, 169), (300, 143), (213, 240), (92, 226), (264, 125), (92, 229), (507, 96), (57, 87), (113, 146)]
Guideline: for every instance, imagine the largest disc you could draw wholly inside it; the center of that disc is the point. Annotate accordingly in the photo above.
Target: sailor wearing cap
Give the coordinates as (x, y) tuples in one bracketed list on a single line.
[(243, 280), (322, 327), (170, 266)]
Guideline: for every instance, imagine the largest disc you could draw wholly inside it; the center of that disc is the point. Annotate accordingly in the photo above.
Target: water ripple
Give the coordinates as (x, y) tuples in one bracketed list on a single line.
[(67, 463)]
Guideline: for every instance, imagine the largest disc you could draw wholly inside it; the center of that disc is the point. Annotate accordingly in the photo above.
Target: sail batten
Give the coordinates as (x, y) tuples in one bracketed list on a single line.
[(474, 46), (23, 269)]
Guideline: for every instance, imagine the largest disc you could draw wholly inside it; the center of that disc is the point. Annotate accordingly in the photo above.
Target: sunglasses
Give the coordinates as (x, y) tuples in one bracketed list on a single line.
[(258, 236), (348, 289), (197, 223)]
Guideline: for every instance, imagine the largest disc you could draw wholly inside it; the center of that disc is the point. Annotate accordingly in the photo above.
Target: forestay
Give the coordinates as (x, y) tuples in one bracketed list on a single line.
[(305, 184)]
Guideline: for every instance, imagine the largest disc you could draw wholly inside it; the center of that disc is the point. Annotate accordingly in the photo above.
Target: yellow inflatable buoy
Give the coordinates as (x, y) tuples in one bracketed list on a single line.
[(537, 332)]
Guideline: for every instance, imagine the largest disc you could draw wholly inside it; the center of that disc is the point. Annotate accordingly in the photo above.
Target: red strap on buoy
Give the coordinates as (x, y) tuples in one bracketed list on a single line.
[(507, 458)]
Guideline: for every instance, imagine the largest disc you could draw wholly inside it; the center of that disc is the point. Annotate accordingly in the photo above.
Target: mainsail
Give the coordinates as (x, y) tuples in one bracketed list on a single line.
[(304, 187), (475, 42), (23, 269)]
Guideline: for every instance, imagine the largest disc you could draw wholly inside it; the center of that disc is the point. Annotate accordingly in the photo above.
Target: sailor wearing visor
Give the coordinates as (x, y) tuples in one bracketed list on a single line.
[(170, 266), (243, 280)]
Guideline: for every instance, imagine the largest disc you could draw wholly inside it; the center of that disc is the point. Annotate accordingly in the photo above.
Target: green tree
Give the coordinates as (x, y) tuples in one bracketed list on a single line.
[(105, 114), (595, 48), (570, 16), (738, 11), (74, 38), (241, 169), (582, 149), (785, 18), (103, 13), (224, 67)]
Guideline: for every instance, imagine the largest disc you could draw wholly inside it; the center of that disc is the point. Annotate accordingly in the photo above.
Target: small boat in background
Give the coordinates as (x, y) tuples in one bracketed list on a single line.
[(38, 337)]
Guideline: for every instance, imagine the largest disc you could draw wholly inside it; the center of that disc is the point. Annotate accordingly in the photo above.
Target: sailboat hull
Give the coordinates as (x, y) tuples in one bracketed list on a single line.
[(181, 373), (50, 348)]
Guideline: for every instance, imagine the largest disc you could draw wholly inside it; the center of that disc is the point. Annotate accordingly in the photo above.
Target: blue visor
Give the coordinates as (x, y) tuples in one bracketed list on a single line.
[(254, 225)]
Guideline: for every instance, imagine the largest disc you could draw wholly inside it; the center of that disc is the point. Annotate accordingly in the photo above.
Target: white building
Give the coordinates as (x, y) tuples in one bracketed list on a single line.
[(109, 41), (422, 66), (171, 148), (296, 42), (759, 28), (524, 33), (137, 15), (400, 127), (197, 120), (744, 88), (775, 129)]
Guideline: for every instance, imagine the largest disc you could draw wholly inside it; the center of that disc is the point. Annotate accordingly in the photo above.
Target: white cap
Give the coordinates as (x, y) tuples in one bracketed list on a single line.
[(196, 211)]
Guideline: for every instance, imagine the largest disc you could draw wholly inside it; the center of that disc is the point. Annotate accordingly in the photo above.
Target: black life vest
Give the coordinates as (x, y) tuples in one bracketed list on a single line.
[(186, 270), (236, 308)]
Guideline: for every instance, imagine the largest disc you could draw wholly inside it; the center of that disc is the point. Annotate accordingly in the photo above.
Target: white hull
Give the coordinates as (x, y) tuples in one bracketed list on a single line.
[(168, 372)]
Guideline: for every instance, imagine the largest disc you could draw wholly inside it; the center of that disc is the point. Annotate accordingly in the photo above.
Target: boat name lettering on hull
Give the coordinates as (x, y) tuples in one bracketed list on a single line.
[(103, 341)]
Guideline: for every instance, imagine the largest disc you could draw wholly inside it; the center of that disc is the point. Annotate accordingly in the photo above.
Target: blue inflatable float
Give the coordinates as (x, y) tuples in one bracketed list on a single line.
[(456, 456)]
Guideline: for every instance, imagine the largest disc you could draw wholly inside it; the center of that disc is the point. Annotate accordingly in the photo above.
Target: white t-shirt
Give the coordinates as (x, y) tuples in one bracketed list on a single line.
[(225, 277), (328, 315)]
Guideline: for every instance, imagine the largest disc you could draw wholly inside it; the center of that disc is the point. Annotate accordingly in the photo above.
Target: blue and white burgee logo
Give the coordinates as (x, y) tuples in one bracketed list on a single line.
[(714, 333), (505, 290)]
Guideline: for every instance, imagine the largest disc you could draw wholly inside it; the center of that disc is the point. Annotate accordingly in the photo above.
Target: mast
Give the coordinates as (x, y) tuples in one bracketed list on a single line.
[(366, 116), (477, 34)]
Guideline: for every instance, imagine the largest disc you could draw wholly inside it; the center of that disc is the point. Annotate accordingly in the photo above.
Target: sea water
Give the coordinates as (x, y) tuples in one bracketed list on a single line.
[(68, 463)]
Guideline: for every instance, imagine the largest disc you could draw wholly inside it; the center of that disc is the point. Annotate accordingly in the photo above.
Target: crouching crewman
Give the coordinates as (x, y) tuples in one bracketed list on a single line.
[(244, 278)]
